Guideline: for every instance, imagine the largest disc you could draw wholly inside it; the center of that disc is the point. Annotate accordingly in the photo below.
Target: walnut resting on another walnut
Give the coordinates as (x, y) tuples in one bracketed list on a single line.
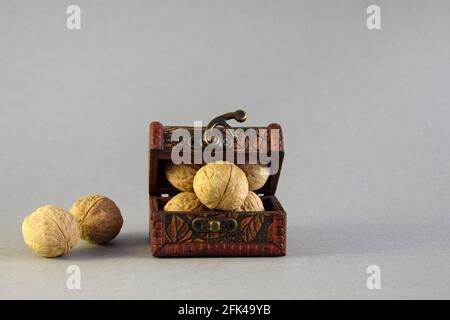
[(221, 186)]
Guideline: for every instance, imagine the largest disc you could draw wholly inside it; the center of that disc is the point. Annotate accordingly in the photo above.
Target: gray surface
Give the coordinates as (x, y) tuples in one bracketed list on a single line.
[(365, 114)]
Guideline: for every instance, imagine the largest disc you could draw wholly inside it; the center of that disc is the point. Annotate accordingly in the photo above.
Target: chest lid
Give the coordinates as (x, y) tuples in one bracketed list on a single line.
[(217, 141)]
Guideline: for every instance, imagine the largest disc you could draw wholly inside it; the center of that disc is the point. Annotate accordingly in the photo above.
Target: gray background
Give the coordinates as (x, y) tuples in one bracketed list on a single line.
[(365, 113)]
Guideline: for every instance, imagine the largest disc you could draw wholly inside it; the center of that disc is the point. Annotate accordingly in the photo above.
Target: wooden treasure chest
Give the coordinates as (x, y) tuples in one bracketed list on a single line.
[(209, 232)]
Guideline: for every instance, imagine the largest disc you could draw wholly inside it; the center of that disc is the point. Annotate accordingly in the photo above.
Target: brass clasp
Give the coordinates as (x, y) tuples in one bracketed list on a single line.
[(221, 121), (214, 225)]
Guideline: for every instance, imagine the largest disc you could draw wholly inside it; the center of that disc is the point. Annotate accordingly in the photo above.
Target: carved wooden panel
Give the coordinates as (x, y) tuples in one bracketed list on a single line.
[(251, 228)]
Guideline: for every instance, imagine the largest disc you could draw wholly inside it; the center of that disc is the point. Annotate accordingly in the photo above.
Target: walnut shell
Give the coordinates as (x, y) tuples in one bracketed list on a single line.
[(184, 201), (257, 175), (50, 231), (181, 176), (221, 185), (252, 203), (98, 218)]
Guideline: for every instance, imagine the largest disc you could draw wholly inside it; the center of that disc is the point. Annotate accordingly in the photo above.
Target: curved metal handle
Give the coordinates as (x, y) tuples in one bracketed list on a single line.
[(221, 121)]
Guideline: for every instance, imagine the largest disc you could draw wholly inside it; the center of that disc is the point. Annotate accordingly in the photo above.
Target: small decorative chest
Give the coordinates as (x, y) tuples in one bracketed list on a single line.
[(211, 232)]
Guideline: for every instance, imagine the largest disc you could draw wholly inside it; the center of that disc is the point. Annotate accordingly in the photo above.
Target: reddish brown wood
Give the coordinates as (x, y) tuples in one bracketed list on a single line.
[(163, 246), (156, 135), (273, 146)]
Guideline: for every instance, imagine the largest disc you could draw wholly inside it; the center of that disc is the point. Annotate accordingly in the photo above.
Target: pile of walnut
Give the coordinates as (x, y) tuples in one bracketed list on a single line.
[(51, 231), (216, 186)]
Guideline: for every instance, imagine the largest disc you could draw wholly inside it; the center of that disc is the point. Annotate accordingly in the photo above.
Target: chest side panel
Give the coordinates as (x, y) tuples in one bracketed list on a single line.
[(251, 228)]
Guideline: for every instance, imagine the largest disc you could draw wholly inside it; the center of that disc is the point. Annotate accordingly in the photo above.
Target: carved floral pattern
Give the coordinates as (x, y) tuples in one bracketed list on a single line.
[(252, 228)]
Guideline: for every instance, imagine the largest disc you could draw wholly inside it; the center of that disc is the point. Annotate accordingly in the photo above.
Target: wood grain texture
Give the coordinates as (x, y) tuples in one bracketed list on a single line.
[(257, 234)]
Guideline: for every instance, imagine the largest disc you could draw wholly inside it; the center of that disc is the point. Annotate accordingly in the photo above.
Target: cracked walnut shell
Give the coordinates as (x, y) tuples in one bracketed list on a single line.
[(98, 217), (50, 231), (221, 185), (184, 201)]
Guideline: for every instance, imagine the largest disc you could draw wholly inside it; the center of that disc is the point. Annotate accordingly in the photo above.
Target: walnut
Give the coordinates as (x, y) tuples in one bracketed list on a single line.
[(50, 231), (252, 203), (98, 218), (184, 201), (181, 176), (221, 185), (257, 175)]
